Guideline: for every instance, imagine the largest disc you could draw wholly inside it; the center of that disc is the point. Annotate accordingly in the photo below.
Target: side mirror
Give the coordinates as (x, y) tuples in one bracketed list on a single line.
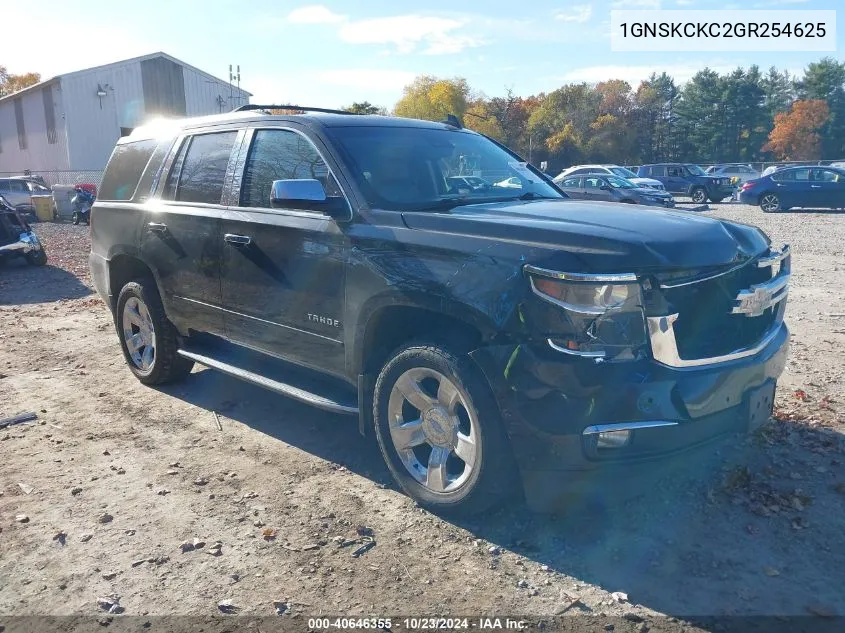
[(307, 194)]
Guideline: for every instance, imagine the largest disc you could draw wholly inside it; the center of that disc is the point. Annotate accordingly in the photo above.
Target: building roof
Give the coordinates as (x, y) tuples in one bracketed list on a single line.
[(139, 59)]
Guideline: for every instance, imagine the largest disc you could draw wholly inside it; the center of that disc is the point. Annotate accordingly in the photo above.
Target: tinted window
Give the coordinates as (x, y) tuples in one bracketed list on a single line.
[(201, 168), (570, 182), (675, 172), (124, 170), (281, 155), (593, 182), (825, 175)]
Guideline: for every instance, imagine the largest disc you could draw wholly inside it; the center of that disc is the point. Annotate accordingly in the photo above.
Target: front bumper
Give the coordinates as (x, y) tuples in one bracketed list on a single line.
[(26, 243), (99, 267), (548, 401)]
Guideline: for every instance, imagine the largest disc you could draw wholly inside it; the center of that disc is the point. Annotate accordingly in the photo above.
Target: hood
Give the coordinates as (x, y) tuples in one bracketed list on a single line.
[(646, 181), (600, 236), (648, 191)]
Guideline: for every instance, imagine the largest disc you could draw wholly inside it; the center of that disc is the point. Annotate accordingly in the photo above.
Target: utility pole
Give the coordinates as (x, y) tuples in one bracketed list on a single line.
[(239, 85), (231, 77)]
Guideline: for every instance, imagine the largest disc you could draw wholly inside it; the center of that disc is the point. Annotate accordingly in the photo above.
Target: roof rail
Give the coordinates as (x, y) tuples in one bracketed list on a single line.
[(256, 106)]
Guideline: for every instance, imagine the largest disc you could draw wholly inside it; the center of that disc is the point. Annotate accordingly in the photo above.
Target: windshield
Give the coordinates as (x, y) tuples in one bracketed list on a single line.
[(619, 183), (695, 170), (623, 173), (415, 169)]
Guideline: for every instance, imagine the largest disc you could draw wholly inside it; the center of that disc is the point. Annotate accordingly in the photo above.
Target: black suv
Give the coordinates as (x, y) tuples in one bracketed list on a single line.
[(690, 180), (486, 337)]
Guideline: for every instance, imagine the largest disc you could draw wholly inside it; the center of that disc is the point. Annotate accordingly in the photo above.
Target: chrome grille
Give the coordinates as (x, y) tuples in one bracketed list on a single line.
[(724, 314)]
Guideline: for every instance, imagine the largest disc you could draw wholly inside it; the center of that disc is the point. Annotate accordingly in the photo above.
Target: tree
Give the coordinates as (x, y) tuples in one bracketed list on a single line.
[(795, 135), (825, 80), (364, 107), (10, 83), (434, 99), (479, 117)]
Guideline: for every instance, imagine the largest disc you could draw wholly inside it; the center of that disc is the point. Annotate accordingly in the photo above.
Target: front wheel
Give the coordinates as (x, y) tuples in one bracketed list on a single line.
[(440, 431), (770, 203), (37, 258), (149, 340), (698, 195), (76, 217)]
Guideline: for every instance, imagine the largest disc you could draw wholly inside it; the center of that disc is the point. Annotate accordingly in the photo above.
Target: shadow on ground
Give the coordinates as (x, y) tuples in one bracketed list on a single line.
[(22, 283), (750, 527)]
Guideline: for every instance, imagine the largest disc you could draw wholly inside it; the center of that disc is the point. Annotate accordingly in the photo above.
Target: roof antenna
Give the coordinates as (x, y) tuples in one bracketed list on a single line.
[(453, 121)]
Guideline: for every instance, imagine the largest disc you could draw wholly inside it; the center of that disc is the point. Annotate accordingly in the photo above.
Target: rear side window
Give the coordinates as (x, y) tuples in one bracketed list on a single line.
[(124, 170), (570, 182), (199, 171)]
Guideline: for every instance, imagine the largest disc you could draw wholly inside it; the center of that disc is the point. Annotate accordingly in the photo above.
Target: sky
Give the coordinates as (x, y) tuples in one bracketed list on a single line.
[(333, 52)]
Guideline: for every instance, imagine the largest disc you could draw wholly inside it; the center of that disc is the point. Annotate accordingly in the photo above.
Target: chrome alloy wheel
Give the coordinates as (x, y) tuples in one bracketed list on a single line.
[(433, 430), (139, 333), (770, 203)]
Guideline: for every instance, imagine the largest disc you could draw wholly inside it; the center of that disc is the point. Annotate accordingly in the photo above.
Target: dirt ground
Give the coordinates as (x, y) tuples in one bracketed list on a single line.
[(98, 495)]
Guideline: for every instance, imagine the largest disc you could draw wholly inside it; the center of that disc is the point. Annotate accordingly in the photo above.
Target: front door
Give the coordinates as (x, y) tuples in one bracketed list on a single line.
[(593, 189), (676, 179), (284, 270), (181, 230), (827, 188)]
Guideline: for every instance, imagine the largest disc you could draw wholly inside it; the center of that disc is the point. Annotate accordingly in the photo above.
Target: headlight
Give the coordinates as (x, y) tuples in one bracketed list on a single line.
[(600, 316)]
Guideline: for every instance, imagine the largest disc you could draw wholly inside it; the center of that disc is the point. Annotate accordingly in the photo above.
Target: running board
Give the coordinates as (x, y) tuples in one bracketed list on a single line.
[(283, 388)]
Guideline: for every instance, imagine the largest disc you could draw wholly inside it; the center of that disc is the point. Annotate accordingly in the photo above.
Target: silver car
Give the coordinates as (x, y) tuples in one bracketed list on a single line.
[(613, 170), (743, 173), (18, 192)]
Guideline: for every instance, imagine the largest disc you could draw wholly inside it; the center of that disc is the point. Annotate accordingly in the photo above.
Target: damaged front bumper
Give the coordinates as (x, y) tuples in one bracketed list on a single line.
[(569, 416), (26, 243)]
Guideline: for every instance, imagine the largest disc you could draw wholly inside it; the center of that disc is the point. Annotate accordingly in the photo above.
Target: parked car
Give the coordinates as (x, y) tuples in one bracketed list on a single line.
[(484, 339), (687, 179), (473, 183), (839, 164), (17, 238), (813, 187), (18, 192), (613, 189), (615, 170), (736, 172), (509, 183)]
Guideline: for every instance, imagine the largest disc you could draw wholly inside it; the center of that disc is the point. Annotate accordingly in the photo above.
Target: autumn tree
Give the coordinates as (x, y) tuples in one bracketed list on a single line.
[(434, 99), (795, 135), (10, 83), (365, 107)]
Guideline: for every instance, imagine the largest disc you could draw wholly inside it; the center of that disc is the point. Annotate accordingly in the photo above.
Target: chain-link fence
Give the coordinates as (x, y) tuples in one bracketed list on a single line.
[(67, 177)]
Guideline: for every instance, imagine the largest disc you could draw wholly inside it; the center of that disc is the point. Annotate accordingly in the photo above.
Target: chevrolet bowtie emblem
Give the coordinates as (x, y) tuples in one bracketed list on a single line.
[(757, 299)]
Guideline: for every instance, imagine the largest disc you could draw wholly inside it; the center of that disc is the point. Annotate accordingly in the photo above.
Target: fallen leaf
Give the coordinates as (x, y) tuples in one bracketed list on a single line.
[(269, 533), (800, 394)]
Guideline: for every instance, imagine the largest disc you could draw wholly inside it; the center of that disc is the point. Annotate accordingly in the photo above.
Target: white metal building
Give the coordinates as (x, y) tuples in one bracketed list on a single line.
[(71, 122)]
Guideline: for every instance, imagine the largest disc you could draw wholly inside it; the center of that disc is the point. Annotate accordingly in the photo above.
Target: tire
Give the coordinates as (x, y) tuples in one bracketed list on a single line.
[(155, 361), (76, 217), (718, 200), (37, 258), (770, 203), (698, 195), (486, 475)]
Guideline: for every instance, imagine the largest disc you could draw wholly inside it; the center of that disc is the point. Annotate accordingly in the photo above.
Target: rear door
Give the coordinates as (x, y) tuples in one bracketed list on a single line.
[(284, 270), (181, 234), (573, 187)]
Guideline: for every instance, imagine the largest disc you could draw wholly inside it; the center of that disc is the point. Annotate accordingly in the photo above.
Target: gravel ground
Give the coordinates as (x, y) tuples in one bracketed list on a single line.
[(106, 494)]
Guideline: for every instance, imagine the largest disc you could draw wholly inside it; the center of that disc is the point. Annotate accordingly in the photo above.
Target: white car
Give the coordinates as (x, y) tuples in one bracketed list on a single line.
[(509, 183), (614, 170)]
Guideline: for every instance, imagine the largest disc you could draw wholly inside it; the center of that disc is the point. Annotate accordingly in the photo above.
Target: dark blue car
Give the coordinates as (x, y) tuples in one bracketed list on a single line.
[(813, 187)]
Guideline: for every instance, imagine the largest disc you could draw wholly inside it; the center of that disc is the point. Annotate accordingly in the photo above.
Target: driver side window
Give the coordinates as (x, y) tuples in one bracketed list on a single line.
[(592, 183), (281, 155)]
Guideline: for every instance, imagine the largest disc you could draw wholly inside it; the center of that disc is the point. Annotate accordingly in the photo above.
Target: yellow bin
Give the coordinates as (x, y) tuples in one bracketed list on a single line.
[(43, 208)]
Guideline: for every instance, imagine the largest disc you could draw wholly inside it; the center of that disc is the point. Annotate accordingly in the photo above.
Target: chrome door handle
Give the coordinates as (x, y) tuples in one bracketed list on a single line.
[(237, 240), (157, 227)]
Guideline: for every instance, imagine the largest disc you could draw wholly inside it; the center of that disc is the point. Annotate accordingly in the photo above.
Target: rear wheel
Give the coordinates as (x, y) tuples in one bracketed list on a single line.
[(440, 431), (770, 203), (149, 341), (698, 195)]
